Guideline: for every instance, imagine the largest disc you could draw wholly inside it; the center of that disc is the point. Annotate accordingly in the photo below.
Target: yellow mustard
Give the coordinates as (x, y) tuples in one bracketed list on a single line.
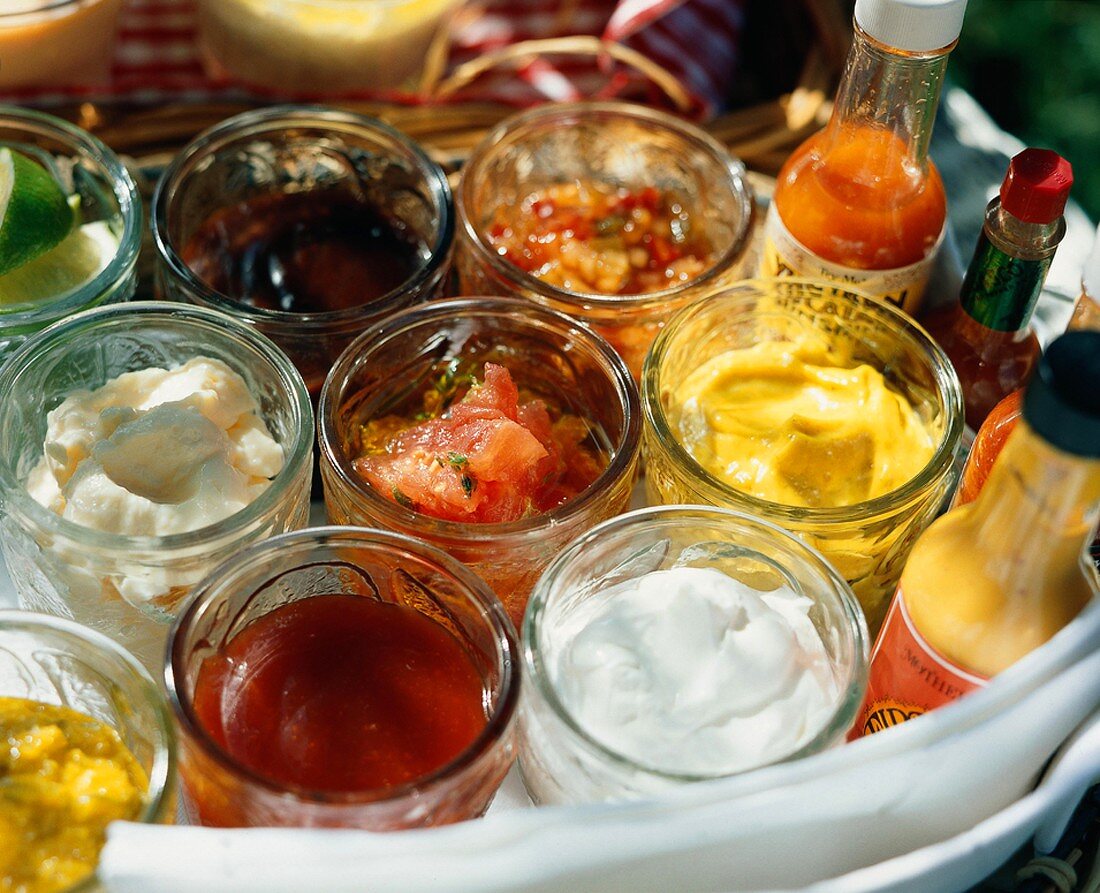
[(800, 424), (63, 778)]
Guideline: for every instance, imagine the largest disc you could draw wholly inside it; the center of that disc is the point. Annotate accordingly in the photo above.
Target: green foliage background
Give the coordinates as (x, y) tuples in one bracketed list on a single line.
[(1034, 65)]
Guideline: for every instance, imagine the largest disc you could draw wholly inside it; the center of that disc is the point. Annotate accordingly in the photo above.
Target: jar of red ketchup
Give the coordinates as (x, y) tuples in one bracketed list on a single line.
[(342, 677)]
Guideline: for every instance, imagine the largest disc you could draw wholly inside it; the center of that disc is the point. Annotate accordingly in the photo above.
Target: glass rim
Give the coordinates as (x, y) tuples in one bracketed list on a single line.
[(850, 693), (344, 5), (461, 532), (478, 591), (162, 775), (13, 492), (125, 191), (255, 123), (887, 317), (30, 10), (484, 153)]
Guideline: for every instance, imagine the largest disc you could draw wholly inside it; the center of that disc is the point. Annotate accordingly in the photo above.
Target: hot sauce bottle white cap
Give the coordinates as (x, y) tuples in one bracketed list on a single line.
[(916, 26)]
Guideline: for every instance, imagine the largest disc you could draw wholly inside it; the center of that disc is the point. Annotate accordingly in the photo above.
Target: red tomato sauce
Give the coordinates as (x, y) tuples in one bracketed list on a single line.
[(484, 458), (342, 693)]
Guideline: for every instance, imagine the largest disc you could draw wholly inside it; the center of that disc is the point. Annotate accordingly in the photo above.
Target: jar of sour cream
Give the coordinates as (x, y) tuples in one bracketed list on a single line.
[(680, 644), (827, 412), (121, 491)]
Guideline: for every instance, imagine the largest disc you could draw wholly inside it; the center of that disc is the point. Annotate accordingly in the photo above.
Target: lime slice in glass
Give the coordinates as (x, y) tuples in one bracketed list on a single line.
[(77, 260), (35, 213)]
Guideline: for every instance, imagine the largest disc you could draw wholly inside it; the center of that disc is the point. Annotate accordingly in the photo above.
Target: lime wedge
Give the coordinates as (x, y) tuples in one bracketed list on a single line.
[(35, 214), (78, 259)]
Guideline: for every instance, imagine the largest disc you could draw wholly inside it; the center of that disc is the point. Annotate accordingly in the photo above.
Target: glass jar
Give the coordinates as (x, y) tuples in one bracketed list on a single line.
[(290, 151), (59, 662), (562, 761), (86, 168), (63, 43), (320, 46), (618, 146), (868, 541), (130, 587), (551, 357), (393, 569)]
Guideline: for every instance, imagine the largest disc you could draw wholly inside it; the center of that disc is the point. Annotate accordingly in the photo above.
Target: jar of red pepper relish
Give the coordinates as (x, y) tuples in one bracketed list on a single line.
[(493, 429), (337, 677), (615, 214)]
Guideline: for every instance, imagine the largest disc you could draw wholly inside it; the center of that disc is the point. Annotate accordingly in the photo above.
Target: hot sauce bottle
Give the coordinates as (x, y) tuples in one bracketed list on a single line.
[(994, 579), (1002, 419), (988, 335), (861, 202)]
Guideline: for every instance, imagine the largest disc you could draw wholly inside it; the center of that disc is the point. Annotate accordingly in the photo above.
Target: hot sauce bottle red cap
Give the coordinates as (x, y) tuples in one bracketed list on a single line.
[(1062, 402), (1037, 185)]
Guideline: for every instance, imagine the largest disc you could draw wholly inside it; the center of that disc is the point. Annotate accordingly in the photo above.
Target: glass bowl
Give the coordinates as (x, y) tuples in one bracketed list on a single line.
[(868, 541), (219, 790), (85, 167), (550, 356), (130, 587), (617, 145), (63, 43), (561, 760), (320, 46), (294, 150), (56, 661)]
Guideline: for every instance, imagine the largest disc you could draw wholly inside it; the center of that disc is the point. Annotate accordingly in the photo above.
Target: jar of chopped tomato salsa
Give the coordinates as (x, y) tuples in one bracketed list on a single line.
[(339, 677), (493, 429), (614, 214)]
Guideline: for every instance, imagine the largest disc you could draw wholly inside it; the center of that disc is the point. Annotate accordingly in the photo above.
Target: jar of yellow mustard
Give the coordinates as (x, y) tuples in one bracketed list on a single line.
[(825, 411)]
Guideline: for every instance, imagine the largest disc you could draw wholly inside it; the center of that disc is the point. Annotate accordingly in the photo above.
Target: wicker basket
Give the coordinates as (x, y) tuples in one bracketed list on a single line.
[(793, 51)]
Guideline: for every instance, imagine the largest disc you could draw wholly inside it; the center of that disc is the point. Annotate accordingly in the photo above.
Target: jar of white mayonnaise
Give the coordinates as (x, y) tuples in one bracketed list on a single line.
[(678, 644)]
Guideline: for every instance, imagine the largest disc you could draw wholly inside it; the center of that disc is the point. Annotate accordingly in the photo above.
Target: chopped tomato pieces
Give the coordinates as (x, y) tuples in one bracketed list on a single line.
[(488, 458)]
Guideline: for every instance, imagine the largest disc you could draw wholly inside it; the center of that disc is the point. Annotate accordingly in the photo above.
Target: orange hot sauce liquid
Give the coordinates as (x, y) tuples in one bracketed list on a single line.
[(856, 199), (342, 693)]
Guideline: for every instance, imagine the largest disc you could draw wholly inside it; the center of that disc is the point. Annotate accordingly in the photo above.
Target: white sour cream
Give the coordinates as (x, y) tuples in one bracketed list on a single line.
[(156, 452), (691, 671)]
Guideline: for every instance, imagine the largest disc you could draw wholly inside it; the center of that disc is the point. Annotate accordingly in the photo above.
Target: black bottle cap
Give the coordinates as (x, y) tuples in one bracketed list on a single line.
[(1062, 402)]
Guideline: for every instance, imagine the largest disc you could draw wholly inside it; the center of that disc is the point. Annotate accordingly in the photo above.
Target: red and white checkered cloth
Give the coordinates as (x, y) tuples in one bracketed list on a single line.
[(157, 59)]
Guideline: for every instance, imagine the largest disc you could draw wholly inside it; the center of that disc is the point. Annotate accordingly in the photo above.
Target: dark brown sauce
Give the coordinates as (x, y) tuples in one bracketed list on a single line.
[(306, 252)]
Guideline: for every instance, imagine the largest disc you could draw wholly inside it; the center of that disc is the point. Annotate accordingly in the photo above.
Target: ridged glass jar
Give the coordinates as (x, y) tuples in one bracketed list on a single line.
[(130, 587), (868, 541)]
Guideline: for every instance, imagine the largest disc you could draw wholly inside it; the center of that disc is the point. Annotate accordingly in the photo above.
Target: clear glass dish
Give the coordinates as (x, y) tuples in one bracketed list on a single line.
[(85, 167), (296, 149), (548, 355), (561, 761), (320, 46), (57, 42), (56, 661), (218, 790), (130, 587), (618, 145), (869, 541)]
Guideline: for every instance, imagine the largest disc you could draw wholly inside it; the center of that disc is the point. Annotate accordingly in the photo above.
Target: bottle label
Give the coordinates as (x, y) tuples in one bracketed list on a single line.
[(1000, 291), (784, 255), (908, 676)]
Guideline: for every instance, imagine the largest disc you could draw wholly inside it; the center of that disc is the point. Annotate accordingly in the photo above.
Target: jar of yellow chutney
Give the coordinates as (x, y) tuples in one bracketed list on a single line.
[(87, 740)]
